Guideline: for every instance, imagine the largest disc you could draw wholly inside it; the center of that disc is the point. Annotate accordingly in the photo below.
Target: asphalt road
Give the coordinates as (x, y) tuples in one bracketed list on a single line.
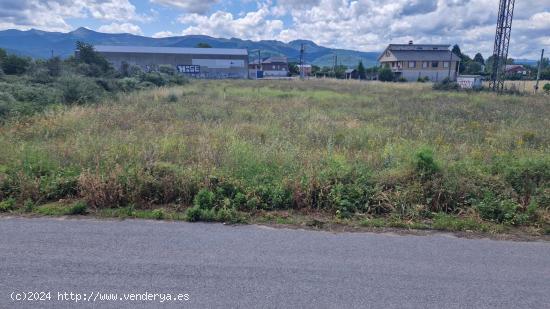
[(221, 266)]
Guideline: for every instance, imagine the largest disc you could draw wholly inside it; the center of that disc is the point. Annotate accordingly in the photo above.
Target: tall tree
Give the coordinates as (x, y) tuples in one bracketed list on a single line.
[(361, 70), (385, 74), (479, 59), (457, 51)]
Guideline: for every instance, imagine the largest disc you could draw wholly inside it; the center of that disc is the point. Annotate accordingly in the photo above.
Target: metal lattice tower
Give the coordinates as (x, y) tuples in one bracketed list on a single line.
[(502, 42)]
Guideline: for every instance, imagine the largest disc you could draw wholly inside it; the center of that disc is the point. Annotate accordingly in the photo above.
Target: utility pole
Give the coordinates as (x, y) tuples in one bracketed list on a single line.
[(302, 62), (335, 64), (502, 42), (450, 63), (540, 69)]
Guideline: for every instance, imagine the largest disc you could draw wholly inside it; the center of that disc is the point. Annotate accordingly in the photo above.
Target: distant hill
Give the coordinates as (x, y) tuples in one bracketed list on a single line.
[(41, 44)]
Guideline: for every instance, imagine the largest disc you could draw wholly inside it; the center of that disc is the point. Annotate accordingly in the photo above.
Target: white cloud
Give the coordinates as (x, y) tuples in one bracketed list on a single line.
[(190, 6), (121, 28), (367, 25), (254, 25), (164, 34), (52, 15), (372, 24)]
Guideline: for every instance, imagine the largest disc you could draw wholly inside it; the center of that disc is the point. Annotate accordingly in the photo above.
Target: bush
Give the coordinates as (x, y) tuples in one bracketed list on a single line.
[(29, 205), (385, 74), (78, 90), (154, 78), (15, 65), (7, 205), (528, 177), (402, 79), (546, 88), (158, 214), (53, 66), (446, 85), (128, 84), (500, 210), (79, 208), (425, 163), (6, 103), (423, 79), (205, 199), (167, 69)]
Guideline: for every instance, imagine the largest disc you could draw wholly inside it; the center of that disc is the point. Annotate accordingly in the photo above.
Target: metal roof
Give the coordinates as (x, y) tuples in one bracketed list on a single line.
[(424, 55), (418, 46), (170, 50)]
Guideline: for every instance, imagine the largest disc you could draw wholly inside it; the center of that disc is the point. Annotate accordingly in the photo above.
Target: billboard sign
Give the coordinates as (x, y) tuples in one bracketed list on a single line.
[(469, 81), (189, 69)]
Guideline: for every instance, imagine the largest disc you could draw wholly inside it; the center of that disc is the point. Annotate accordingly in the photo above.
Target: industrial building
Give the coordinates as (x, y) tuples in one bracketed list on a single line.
[(414, 61), (269, 67), (208, 63)]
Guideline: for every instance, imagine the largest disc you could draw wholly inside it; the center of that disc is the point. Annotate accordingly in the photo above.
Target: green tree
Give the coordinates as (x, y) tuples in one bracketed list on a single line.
[(87, 54), (545, 63), (53, 65), (3, 55), (385, 74), (457, 51), (13, 64), (203, 45), (293, 69), (479, 59), (361, 70), (315, 69), (472, 67)]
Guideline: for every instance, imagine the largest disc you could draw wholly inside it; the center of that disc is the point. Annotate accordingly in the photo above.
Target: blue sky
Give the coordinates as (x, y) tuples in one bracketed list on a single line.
[(366, 25)]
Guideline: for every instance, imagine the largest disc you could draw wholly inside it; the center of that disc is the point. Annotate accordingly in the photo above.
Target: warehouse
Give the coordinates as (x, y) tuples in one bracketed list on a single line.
[(209, 63)]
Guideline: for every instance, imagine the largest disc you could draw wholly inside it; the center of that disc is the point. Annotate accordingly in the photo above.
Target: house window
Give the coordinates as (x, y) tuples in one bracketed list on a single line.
[(425, 65), (435, 64), (412, 64), (446, 64)]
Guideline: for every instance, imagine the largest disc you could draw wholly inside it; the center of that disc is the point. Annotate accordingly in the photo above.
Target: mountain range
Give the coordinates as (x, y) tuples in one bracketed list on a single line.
[(42, 44)]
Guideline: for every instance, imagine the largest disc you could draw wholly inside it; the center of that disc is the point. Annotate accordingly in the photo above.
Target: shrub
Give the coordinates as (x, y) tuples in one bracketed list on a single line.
[(53, 66), (546, 88), (446, 85), (425, 163), (158, 214), (100, 191), (527, 177), (29, 205), (423, 79), (63, 184), (385, 74), (172, 98), (78, 208), (7, 205), (167, 69), (78, 90), (154, 78), (6, 103), (402, 79), (205, 199), (499, 210), (15, 65), (128, 84)]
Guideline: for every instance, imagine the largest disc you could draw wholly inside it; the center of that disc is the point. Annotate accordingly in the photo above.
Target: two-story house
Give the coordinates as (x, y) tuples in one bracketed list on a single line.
[(414, 61)]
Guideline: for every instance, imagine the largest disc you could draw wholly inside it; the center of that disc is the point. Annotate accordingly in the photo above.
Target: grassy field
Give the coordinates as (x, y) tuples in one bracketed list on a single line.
[(227, 150)]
